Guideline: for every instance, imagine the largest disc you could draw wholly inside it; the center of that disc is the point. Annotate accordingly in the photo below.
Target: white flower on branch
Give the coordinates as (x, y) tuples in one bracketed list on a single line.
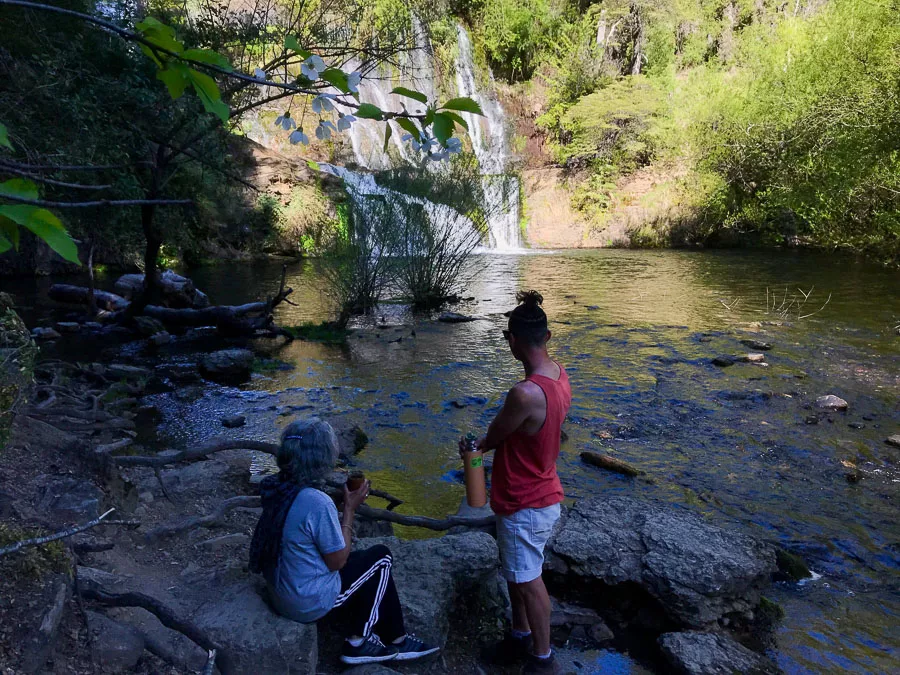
[(286, 122), (344, 122), (298, 137), (324, 130), (353, 80), (260, 74), (312, 67), (322, 103)]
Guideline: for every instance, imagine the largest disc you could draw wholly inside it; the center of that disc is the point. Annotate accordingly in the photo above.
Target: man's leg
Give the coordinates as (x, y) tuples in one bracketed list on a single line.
[(520, 622), (535, 603)]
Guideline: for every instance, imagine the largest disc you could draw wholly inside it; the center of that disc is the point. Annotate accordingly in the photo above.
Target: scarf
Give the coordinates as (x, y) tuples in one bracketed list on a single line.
[(277, 497)]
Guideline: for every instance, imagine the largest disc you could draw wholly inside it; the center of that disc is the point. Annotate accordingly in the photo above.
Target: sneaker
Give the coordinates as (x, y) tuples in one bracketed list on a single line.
[(372, 650), (413, 648), (536, 666), (509, 651)]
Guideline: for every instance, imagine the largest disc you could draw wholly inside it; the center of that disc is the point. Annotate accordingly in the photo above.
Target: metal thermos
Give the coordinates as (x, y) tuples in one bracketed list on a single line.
[(473, 467)]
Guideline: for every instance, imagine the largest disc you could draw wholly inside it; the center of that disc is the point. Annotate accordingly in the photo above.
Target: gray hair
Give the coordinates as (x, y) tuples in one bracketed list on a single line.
[(308, 451)]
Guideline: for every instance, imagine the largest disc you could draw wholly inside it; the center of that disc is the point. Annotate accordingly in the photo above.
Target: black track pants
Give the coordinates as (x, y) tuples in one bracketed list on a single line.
[(368, 602)]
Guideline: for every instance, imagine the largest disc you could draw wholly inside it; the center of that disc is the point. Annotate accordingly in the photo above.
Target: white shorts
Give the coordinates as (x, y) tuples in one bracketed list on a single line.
[(521, 538)]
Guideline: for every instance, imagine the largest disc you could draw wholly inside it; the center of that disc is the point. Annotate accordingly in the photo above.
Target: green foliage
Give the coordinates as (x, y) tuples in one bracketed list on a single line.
[(33, 562), (326, 332), (513, 33)]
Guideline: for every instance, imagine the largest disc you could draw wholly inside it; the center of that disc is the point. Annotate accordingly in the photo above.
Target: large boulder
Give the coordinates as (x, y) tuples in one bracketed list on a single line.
[(436, 577), (697, 571), (697, 653), (257, 639), (228, 365)]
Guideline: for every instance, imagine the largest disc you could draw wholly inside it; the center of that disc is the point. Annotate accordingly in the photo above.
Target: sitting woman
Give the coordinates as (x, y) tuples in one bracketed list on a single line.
[(303, 550)]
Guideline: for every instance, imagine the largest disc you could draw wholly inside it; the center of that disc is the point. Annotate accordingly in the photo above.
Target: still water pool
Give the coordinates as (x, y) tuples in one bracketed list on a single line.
[(637, 332)]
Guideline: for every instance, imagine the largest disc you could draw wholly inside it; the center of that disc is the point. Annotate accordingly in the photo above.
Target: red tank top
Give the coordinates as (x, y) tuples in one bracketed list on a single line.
[(524, 474)]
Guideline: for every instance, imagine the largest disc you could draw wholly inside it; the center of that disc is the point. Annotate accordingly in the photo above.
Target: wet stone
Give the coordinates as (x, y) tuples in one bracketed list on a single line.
[(68, 326), (234, 421), (831, 402), (45, 334), (723, 361), (697, 653), (893, 440), (757, 344)]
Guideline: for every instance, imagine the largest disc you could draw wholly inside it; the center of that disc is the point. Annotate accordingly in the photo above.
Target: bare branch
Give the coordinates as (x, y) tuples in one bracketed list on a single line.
[(50, 181), (104, 202), (37, 541)]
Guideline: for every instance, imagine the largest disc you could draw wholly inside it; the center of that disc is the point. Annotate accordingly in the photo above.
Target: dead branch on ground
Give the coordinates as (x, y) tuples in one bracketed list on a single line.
[(68, 532)]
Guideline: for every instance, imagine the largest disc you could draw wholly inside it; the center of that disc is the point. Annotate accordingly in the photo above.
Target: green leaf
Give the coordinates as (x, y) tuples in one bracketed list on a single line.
[(4, 138), (409, 126), (442, 127), (291, 42), (410, 93), (313, 165), (387, 136), (19, 187), (464, 104), (4, 244), (160, 35), (456, 118), (367, 111), (209, 94), (336, 77), (207, 56), (45, 225), (176, 78), (10, 231)]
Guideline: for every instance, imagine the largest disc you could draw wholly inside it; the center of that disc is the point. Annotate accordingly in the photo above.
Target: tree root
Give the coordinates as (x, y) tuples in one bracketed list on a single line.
[(210, 520), (90, 590)]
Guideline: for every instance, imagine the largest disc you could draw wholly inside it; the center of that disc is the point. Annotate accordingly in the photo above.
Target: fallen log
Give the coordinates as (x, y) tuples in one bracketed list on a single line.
[(81, 295), (610, 463)]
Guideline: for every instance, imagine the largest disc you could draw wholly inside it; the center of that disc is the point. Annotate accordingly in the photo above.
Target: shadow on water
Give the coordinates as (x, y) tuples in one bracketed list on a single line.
[(637, 332)]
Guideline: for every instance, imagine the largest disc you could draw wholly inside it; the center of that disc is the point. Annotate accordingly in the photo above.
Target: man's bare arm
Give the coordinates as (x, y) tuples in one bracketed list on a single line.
[(515, 412)]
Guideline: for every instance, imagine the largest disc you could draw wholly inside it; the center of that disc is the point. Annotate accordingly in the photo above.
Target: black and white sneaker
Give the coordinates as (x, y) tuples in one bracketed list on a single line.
[(413, 648), (372, 650)]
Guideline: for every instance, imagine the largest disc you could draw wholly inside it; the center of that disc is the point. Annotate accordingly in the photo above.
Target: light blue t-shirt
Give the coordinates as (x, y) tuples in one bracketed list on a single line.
[(304, 589)]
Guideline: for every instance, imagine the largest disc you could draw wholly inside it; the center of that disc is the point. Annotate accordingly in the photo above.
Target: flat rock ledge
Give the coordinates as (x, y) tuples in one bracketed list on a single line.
[(698, 653), (698, 572)]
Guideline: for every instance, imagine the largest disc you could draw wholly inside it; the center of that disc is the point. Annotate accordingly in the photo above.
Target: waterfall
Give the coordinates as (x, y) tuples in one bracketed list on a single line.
[(488, 134), (490, 143)]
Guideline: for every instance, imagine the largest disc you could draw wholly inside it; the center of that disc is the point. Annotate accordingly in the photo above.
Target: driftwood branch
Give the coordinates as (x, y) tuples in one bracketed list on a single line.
[(610, 463), (37, 541)]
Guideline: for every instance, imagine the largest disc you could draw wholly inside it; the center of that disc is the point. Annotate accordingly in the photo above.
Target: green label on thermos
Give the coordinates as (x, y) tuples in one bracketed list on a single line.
[(476, 462)]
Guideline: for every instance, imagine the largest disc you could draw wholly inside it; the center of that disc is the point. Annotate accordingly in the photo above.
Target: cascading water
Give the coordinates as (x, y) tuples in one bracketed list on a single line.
[(488, 135), (491, 146)]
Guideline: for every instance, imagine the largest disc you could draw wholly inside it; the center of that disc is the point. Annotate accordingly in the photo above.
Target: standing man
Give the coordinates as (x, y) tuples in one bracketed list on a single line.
[(526, 492)]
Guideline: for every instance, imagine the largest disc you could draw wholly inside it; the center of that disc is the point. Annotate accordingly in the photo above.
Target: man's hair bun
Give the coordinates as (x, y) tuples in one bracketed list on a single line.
[(530, 299)]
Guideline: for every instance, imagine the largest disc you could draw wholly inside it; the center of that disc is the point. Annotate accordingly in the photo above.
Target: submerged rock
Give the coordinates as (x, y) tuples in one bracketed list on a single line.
[(753, 358), (696, 653), (757, 344), (228, 365), (831, 402), (453, 317), (723, 361), (698, 572)]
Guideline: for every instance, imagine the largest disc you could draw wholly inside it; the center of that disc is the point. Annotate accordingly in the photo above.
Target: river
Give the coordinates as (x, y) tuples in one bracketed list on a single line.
[(637, 331)]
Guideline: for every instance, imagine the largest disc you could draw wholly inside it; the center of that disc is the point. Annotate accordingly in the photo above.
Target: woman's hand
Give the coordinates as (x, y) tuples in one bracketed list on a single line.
[(464, 446), (353, 500)]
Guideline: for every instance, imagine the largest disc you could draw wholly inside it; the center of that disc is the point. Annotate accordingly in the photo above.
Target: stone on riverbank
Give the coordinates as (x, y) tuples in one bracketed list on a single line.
[(698, 572), (435, 578), (831, 402), (45, 334), (697, 653), (723, 361), (228, 365), (893, 440), (115, 647)]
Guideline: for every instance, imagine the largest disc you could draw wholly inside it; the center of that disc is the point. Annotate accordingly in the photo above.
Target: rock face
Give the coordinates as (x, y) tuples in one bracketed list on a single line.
[(434, 577), (696, 653), (69, 500), (228, 365), (831, 402), (115, 647), (698, 572)]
